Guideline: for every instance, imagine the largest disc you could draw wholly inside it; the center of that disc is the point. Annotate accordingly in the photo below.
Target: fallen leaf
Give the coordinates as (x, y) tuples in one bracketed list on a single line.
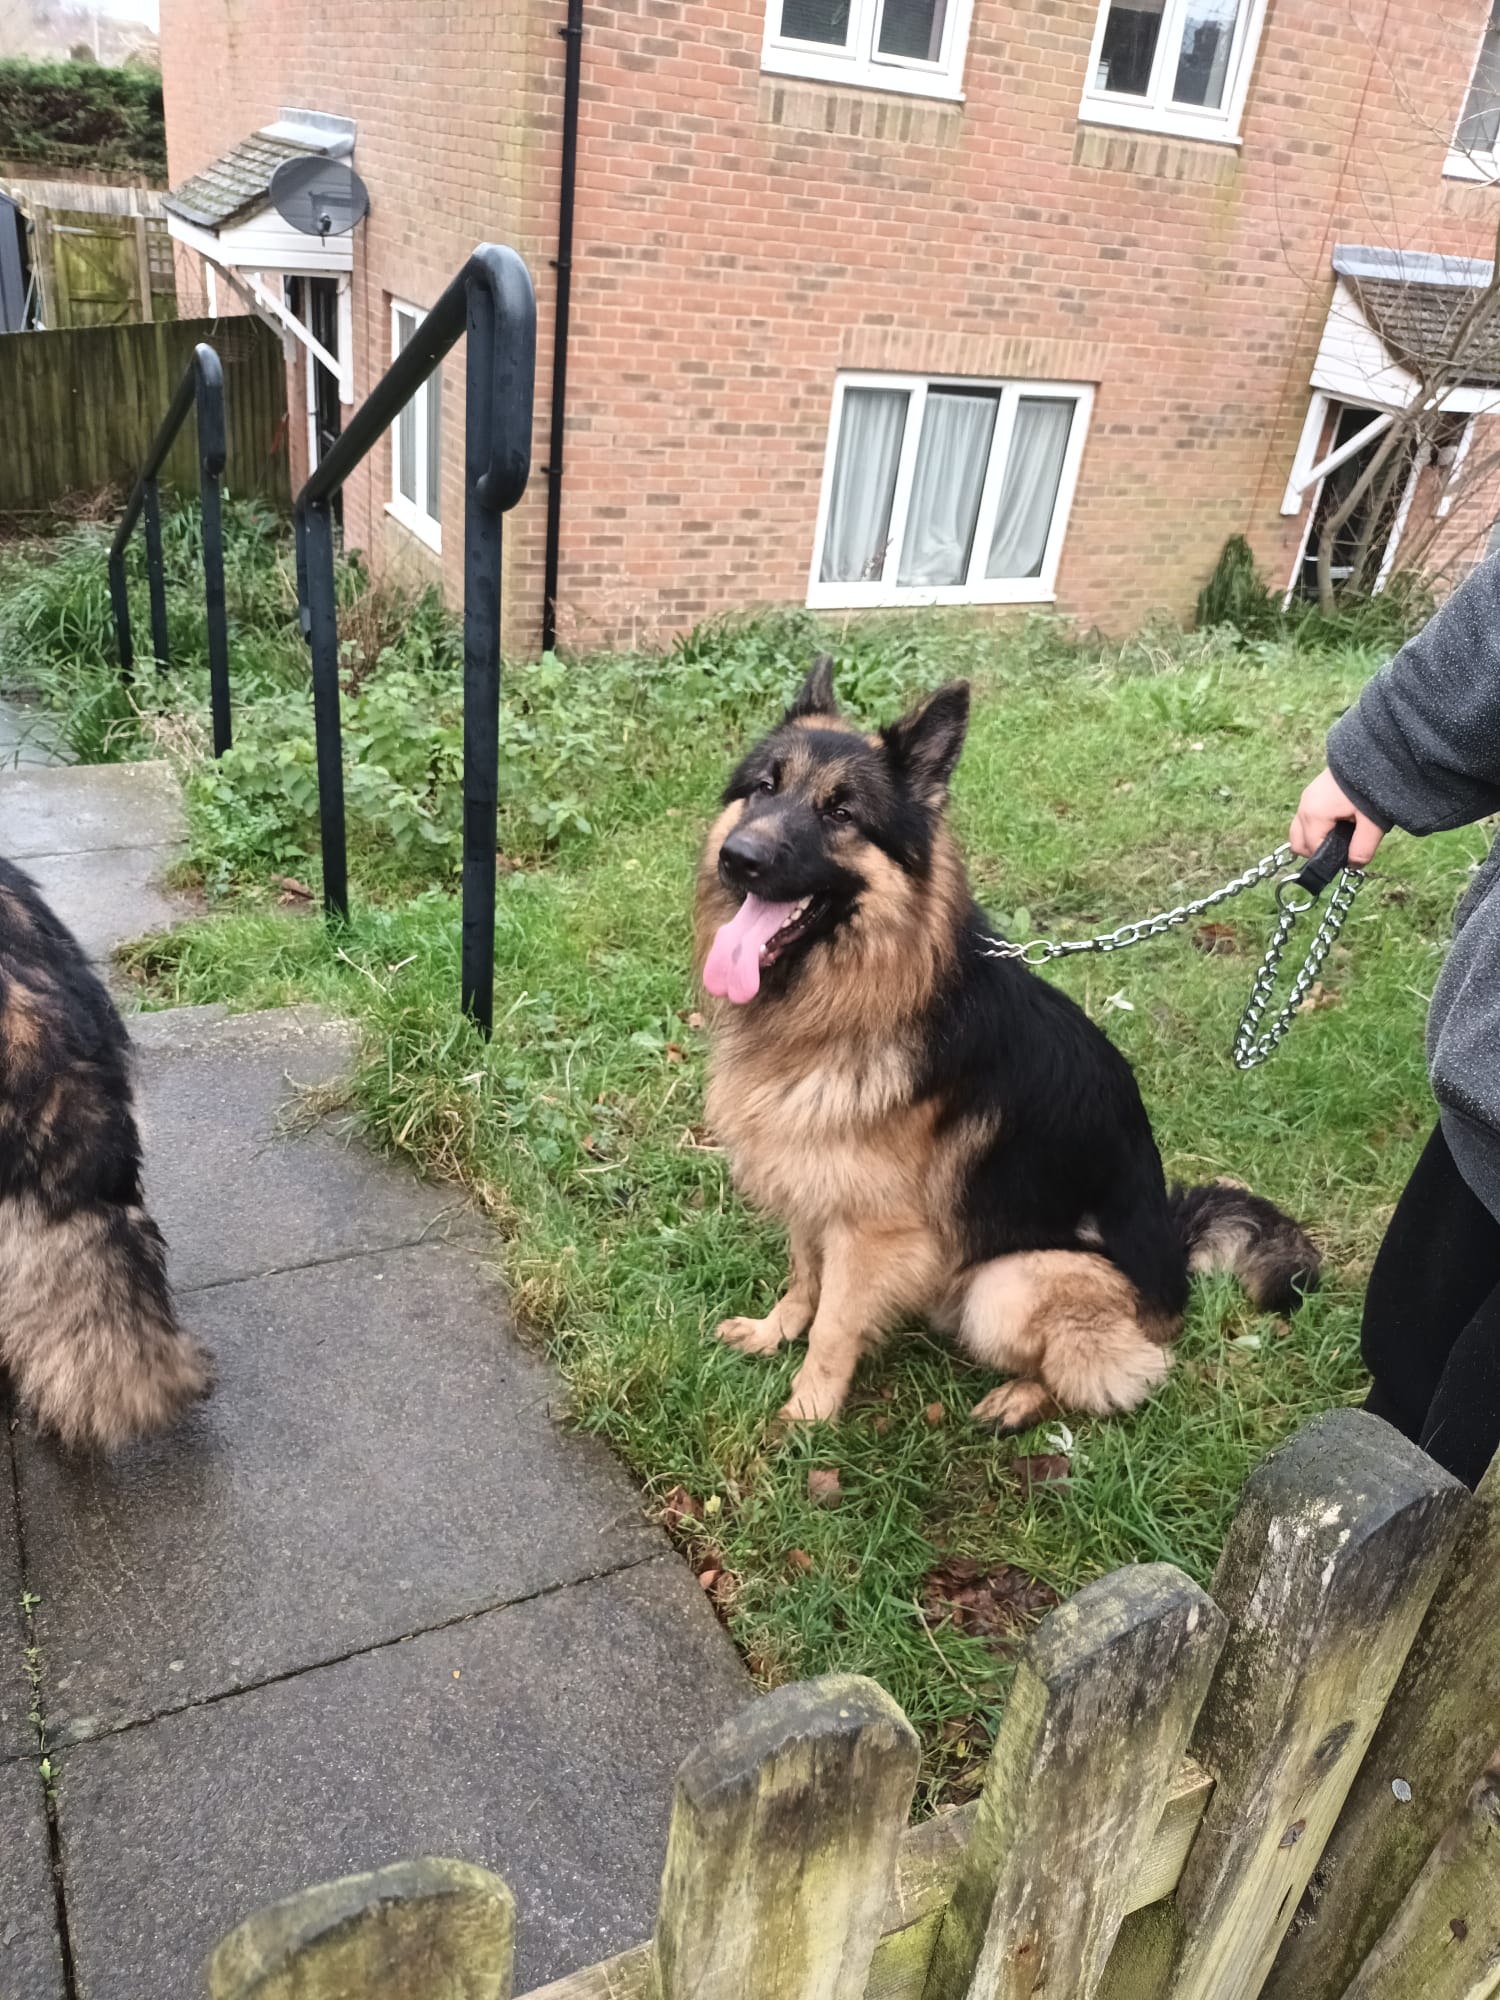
[(694, 1020), (1318, 995), (880, 1425), (698, 1139), (458, 1673), (678, 1507), (997, 1605), (709, 1577), (1040, 1469), (1216, 940), (1119, 1003), (1293, 1833), (799, 1560), (292, 888), (1459, 1929), (674, 1053), (823, 1488), (934, 1413)]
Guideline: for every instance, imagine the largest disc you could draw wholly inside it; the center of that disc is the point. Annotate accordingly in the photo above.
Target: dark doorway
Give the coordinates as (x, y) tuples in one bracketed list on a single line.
[(1349, 420), (315, 301)]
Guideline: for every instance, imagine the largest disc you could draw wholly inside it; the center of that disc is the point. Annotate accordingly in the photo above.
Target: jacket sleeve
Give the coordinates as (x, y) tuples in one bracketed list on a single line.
[(1420, 749)]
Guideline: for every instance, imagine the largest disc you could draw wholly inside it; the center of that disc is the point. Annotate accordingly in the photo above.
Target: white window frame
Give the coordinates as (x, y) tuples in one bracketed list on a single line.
[(979, 589), (859, 62), (1155, 112), (1470, 163), (413, 516)]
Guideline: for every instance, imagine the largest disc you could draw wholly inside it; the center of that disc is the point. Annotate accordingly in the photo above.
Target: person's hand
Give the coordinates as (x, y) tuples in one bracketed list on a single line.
[(1320, 809)]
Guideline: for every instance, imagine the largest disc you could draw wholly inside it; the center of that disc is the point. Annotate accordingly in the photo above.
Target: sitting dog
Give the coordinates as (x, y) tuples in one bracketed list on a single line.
[(88, 1335), (943, 1134)]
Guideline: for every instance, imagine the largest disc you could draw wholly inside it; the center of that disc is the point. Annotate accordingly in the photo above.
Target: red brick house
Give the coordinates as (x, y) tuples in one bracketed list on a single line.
[(875, 302)]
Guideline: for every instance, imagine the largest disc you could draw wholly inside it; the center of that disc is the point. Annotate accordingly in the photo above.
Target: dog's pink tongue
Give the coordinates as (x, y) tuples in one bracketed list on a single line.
[(733, 968)]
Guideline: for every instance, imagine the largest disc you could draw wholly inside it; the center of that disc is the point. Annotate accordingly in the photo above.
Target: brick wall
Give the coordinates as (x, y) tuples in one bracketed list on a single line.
[(740, 237)]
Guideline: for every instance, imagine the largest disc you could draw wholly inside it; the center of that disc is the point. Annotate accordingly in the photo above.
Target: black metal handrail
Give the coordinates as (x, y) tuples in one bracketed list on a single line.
[(492, 301), (201, 389)]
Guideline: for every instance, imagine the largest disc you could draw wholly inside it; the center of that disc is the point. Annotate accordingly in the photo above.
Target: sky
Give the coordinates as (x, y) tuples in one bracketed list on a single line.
[(148, 11)]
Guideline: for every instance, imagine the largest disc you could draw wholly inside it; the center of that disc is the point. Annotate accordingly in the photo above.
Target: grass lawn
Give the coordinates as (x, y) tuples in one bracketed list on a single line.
[(1098, 784)]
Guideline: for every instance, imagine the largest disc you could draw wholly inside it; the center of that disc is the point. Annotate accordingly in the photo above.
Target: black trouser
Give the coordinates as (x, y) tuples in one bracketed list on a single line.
[(1432, 1318)]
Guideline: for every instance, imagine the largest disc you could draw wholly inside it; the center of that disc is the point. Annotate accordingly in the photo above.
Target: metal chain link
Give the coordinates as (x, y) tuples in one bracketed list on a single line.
[(1251, 1048)]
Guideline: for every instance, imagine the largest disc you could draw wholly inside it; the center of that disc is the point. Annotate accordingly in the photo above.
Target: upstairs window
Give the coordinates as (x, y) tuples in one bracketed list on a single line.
[(417, 442), (916, 46), (1175, 66), (1475, 153), (946, 492)]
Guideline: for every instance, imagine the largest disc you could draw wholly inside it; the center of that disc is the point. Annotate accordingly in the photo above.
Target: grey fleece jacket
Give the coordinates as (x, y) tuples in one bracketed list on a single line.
[(1421, 750)]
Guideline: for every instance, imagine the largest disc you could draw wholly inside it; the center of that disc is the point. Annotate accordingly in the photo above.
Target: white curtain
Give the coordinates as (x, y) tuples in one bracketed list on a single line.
[(946, 486), (864, 484), (1032, 473)]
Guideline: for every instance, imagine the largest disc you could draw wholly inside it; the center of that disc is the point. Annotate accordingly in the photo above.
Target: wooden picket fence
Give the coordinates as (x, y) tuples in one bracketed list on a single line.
[(1283, 1788)]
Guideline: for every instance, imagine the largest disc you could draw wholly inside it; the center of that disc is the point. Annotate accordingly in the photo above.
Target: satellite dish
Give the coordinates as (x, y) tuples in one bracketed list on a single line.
[(319, 196)]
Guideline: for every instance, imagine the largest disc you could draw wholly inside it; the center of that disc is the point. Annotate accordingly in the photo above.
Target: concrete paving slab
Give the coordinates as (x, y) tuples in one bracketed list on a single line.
[(82, 808), (236, 1186), (31, 1966), (378, 1458), (108, 895), (539, 1741), (17, 1736), (29, 736)]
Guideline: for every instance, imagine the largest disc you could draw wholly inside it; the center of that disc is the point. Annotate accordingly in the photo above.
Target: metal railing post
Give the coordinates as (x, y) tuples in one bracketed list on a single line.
[(315, 531), (482, 566), (119, 598), (156, 576), (212, 451)]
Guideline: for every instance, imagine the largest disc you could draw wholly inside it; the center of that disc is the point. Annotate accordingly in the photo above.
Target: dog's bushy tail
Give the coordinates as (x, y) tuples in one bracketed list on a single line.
[(88, 1332), (1224, 1227)]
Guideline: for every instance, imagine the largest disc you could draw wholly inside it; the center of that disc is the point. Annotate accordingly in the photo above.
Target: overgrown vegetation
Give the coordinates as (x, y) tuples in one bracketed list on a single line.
[(82, 114), (1238, 599), (1099, 782)]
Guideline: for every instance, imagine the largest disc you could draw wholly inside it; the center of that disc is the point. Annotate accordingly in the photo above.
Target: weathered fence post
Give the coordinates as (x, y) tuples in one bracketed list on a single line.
[(1099, 1714), (1332, 1559), (421, 1930), (1439, 1730), (1445, 1941), (783, 1847)]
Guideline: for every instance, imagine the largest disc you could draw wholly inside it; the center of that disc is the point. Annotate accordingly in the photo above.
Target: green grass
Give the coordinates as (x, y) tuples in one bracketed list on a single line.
[(1098, 784)]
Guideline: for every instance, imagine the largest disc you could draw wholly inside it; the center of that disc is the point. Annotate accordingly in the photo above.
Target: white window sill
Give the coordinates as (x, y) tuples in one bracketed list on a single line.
[(1461, 166), (1151, 118), (416, 523), (879, 597), (891, 77)]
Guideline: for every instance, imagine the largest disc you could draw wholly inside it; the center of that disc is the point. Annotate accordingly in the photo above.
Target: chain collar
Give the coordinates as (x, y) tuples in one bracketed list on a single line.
[(1252, 1045)]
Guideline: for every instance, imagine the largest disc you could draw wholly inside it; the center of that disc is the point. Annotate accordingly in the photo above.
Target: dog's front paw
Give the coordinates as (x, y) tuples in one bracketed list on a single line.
[(1014, 1406), (750, 1336)]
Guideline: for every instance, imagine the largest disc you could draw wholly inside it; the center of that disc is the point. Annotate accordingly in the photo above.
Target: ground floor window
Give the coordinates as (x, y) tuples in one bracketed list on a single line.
[(941, 492), (416, 442)]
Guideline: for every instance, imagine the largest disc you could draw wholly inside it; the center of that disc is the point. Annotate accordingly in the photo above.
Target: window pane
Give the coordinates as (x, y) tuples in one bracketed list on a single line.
[(1033, 473), (946, 487), (406, 423), (1129, 48), (1479, 128), (864, 485), (816, 21), (1203, 60), (434, 444), (912, 28)]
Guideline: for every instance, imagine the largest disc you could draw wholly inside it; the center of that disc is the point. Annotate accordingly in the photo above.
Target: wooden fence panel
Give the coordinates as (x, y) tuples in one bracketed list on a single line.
[(1097, 1719), (1445, 1941), (783, 1847), (78, 409), (420, 1930), (1439, 1730), (1338, 1545)]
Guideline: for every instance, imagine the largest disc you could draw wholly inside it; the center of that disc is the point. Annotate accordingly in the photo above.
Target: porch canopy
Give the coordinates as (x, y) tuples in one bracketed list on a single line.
[(224, 212), (1392, 326)]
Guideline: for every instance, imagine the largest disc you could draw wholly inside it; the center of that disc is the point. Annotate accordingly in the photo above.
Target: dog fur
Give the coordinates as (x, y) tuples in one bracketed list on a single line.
[(945, 1135), (88, 1334)]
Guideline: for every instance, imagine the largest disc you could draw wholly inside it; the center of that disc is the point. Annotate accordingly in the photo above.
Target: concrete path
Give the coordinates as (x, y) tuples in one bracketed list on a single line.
[(371, 1601)]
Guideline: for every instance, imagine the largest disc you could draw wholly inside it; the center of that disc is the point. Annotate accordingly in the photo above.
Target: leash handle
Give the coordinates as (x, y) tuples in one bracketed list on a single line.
[(1330, 861)]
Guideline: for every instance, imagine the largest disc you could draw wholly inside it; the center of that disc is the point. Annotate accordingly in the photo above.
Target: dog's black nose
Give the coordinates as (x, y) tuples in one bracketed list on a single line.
[(745, 857)]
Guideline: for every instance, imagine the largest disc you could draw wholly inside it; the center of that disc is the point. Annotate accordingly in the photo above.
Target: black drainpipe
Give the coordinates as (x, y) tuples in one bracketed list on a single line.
[(572, 34)]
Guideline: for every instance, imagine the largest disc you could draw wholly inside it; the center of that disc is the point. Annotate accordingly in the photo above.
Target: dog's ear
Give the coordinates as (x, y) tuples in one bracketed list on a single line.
[(815, 696), (923, 746)]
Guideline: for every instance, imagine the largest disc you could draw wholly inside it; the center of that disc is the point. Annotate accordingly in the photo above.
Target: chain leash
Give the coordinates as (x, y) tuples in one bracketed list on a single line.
[(1296, 894)]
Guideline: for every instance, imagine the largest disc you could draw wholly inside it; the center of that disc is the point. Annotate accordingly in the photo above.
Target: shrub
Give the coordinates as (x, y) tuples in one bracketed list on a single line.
[(78, 114)]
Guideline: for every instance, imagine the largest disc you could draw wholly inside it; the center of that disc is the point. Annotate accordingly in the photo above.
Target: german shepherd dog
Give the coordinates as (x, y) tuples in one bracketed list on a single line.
[(88, 1335), (944, 1134)]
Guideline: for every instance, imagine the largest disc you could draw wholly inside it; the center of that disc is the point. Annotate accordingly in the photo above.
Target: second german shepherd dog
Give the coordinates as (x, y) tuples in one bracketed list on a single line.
[(944, 1134), (88, 1335)]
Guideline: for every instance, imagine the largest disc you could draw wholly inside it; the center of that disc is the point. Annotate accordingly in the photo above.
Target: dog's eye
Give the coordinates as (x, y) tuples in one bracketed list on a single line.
[(840, 814), (767, 784)]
